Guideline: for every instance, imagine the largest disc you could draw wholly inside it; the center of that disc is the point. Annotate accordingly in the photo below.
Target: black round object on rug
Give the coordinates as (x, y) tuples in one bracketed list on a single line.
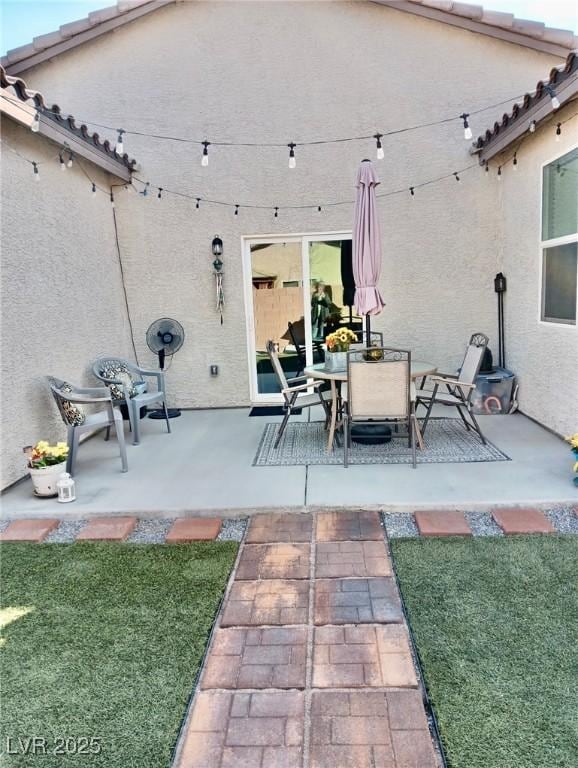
[(370, 434)]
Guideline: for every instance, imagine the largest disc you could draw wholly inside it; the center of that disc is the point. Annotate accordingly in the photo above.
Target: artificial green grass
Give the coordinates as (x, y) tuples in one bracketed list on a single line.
[(110, 646), (495, 622)]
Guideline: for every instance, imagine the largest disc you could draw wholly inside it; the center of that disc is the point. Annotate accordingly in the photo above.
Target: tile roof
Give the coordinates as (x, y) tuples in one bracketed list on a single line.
[(535, 30), (563, 79), (26, 95), (533, 34)]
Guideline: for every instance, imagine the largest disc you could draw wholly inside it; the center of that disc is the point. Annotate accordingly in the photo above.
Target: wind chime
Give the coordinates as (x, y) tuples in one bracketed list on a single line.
[(217, 248)]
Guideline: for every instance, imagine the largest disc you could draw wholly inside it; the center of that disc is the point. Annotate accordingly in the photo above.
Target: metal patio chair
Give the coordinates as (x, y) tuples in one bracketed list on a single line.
[(456, 390), (70, 400), (126, 382), (380, 391), (295, 393)]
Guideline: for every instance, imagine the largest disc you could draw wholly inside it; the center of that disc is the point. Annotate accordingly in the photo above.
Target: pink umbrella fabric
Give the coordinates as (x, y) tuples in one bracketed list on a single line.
[(366, 243)]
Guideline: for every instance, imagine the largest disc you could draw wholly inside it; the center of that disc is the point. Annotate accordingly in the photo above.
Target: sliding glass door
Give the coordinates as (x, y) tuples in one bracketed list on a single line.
[(296, 291)]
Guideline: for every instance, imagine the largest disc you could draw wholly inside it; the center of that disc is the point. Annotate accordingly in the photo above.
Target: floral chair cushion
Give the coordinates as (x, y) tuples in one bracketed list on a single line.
[(73, 414), (115, 369)]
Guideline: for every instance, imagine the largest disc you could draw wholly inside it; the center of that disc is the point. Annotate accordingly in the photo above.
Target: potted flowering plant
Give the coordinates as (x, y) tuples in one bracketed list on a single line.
[(338, 344), (573, 440), (46, 463)]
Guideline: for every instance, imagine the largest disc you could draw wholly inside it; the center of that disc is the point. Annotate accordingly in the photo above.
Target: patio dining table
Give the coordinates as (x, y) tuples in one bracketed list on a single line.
[(419, 370)]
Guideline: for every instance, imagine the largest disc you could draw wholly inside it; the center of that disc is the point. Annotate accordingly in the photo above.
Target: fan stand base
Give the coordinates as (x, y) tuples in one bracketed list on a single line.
[(160, 414)]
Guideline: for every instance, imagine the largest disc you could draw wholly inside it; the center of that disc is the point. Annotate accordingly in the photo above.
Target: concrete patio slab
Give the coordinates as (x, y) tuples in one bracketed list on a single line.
[(182, 474), (28, 530), (520, 521)]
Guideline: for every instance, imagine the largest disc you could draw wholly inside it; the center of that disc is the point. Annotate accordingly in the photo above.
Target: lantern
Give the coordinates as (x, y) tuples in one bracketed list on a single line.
[(65, 488), (217, 249)]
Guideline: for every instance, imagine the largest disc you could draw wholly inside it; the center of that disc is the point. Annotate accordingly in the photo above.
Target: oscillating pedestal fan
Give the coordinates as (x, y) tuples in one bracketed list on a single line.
[(165, 337)]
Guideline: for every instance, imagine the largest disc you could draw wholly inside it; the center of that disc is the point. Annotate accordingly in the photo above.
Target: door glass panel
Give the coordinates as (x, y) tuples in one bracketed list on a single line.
[(277, 277), (331, 289)]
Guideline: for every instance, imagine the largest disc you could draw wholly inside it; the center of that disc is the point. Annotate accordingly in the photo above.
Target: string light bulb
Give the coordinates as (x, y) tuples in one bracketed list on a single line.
[(205, 155), (35, 125), (276, 212), (93, 192), (552, 94), (457, 178), (36, 171), (467, 130), (119, 149), (236, 210), (160, 193), (198, 203), (112, 205), (558, 131), (412, 191), (487, 166), (499, 173), (62, 163), (515, 161), (380, 153), (292, 160), (318, 209), (145, 191), (532, 127), (70, 160)]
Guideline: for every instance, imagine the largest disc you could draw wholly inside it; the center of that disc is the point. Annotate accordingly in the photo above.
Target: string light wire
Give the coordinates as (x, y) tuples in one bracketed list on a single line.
[(276, 144)]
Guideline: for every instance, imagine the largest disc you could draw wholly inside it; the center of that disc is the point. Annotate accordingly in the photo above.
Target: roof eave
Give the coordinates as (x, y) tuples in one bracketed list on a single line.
[(24, 114), (566, 91), (30, 58), (463, 22)]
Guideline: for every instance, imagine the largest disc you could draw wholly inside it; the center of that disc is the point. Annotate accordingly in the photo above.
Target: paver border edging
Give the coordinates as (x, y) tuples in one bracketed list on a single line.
[(430, 712)]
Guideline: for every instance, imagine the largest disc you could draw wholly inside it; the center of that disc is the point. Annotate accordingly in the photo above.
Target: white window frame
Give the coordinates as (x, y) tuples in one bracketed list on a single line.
[(552, 243), (272, 398)]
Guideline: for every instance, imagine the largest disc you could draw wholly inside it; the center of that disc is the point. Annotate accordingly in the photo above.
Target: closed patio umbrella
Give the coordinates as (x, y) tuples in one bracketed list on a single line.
[(367, 246)]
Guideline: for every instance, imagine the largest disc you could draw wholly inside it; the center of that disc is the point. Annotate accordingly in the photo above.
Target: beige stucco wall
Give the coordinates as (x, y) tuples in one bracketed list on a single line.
[(296, 71), (543, 355), (62, 303)]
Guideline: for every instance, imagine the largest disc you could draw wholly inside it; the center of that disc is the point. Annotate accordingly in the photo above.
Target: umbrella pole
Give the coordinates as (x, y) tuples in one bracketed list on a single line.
[(368, 330)]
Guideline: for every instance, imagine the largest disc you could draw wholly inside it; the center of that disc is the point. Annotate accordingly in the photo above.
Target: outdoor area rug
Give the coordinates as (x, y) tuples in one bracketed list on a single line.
[(271, 410), (446, 442)]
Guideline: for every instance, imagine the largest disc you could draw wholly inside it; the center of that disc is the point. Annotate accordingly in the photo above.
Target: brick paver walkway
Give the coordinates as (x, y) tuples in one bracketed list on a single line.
[(310, 663)]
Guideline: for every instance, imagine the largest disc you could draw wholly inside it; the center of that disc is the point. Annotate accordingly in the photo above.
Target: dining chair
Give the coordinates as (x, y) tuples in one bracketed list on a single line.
[(70, 401), (456, 390), (380, 390), (295, 394)]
